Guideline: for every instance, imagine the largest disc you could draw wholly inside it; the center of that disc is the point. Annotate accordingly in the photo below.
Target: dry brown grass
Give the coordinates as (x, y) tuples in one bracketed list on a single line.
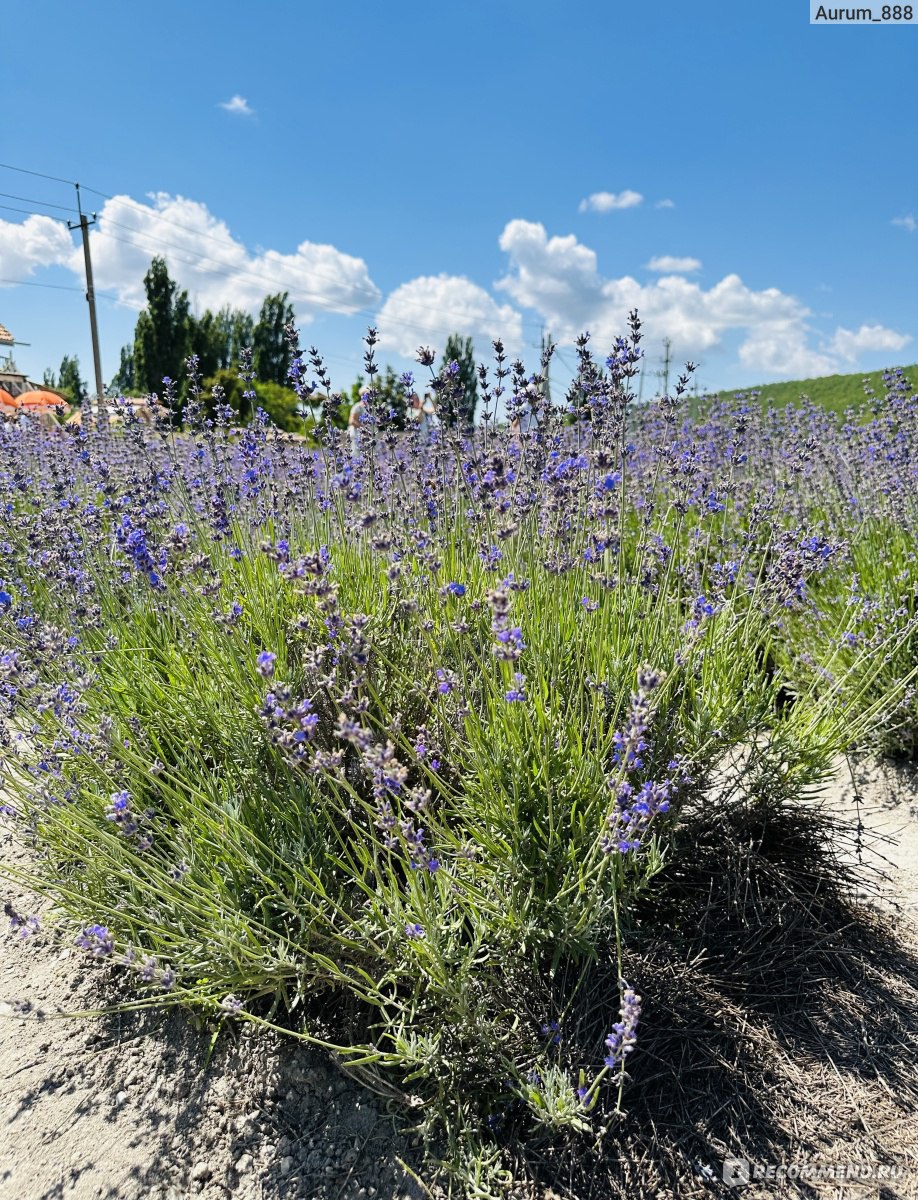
[(779, 1020)]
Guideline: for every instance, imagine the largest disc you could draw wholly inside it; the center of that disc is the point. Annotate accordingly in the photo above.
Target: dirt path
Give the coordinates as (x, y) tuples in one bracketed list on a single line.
[(884, 797), (127, 1106)]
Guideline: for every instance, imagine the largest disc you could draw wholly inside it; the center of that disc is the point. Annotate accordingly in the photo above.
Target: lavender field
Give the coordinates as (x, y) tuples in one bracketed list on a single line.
[(449, 755)]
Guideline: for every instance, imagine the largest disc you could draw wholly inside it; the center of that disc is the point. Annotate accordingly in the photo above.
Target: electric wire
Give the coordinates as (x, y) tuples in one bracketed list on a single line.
[(44, 203), (38, 174), (209, 264), (228, 241)]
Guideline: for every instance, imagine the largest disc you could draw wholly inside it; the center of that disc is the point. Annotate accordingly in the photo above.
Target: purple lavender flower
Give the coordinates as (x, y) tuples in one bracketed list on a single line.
[(552, 1030), (621, 1041), (25, 926), (517, 693), (444, 681), (629, 744), (265, 663), (97, 940), (510, 644), (119, 811)]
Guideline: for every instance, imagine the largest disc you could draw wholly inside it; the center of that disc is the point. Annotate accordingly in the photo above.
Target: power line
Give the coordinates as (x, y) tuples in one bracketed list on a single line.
[(59, 287), (31, 200), (228, 242), (29, 212), (38, 174)]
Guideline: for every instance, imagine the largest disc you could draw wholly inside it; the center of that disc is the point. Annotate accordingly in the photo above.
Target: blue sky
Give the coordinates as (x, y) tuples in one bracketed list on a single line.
[(749, 181)]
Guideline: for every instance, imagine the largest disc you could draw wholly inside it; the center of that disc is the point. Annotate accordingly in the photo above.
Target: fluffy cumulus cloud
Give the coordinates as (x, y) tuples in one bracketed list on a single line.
[(215, 267), (603, 202), (850, 344), (667, 264), (907, 222), (37, 241), (424, 311), (560, 279), (239, 106)]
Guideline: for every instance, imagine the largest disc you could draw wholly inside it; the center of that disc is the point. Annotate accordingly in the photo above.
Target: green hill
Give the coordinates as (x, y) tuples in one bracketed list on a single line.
[(836, 392)]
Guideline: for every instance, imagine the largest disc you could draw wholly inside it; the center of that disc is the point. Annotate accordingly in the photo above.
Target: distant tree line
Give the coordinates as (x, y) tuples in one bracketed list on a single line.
[(167, 333)]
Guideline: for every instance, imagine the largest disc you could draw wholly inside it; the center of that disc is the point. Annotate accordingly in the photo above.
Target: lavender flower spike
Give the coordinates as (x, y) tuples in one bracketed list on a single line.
[(623, 1038)]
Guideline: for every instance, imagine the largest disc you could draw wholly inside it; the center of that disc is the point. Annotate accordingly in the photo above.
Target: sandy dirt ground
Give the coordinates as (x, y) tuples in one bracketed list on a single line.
[(129, 1105), (883, 797)]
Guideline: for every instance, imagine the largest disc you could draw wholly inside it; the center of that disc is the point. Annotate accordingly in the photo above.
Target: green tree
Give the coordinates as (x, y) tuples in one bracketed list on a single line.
[(209, 342), (123, 380), (457, 403), (69, 380), (162, 336), (272, 356), (241, 331), (281, 404), (217, 338)]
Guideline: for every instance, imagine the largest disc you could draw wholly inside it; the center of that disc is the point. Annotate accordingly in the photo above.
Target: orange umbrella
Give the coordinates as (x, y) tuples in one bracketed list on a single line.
[(39, 399), (6, 400)]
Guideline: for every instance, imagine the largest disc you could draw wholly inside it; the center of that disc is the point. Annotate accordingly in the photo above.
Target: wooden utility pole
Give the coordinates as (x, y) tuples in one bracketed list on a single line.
[(546, 386), (667, 359), (91, 300)]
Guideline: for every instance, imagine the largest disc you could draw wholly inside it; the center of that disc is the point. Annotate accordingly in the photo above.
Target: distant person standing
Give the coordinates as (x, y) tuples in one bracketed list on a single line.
[(357, 414), (527, 417), (422, 414)]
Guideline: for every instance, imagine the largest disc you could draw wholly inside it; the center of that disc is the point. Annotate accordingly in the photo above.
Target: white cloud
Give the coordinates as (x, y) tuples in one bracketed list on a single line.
[(665, 204), (907, 222), (215, 267), (38, 241), (239, 106), (779, 347), (850, 343), (603, 202), (425, 310), (668, 265), (559, 278)]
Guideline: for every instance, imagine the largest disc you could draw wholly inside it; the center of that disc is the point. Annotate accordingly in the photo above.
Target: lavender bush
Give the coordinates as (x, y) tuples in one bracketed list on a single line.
[(381, 745)]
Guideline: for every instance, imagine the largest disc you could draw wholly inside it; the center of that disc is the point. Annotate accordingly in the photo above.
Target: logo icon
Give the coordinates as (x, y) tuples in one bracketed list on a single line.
[(736, 1172)]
